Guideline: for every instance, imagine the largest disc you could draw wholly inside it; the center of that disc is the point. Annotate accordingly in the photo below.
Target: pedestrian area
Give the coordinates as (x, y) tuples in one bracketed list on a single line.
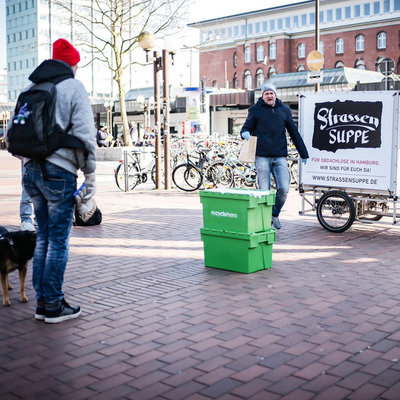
[(323, 323)]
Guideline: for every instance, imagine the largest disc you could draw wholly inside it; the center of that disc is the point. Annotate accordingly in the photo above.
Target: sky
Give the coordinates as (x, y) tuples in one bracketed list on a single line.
[(200, 10), (209, 9)]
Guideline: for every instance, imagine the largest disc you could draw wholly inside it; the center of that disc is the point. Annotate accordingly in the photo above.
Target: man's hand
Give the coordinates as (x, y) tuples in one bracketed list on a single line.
[(85, 208), (304, 161), (90, 187), (246, 135)]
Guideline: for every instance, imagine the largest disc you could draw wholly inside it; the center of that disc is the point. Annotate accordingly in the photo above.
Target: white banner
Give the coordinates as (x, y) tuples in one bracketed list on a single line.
[(351, 138)]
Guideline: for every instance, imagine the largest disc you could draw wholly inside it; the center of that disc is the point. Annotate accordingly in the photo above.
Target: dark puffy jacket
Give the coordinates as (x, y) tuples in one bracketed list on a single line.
[(269, 124)]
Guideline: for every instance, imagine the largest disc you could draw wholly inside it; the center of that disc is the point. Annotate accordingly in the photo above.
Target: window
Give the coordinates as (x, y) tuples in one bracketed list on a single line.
[(338, 14), (257, 27), (296, 21), (234, 81), (367, 9), (321, 47), (265, 26), (357, 11), (243, 30), (248, 80), (360, 64), (259, 78), (250, 29), (386, 6), (303, 19), (321, 16), (347, 12), (377, 7), (229, 30), (272, 51), (339, 64), (300, 68), (339, 46), (222, 33), (360, 43), (301, 50), (247, 54), (287, 22), (312, 18), (235, 59), (280, 24), (260, 53), (272, 25), (396, 5), (215, 84), (329, 15), (236, 31), (271, 71), (381, 40)]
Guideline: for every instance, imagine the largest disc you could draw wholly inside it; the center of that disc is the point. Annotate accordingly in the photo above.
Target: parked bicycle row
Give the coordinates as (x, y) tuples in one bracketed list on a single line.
[(196, 163)]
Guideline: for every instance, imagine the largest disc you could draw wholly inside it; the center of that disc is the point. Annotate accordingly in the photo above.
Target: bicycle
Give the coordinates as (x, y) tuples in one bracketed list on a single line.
[(189, 176), (136, 171)]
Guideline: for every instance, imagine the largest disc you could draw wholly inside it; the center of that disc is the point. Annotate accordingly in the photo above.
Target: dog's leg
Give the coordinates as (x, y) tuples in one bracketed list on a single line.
[(4, 288), (22, 277), (8, 283)]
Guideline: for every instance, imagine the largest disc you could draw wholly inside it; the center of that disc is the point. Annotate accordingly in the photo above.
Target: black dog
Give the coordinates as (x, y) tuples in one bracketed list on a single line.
[(16, 249)]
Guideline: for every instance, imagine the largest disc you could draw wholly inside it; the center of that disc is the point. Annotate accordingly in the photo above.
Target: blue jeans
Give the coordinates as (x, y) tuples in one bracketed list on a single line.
[(279, 169), (53, 201), (25, 204)]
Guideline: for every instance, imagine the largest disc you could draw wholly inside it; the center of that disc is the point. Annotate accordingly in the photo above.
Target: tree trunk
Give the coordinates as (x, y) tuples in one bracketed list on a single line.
[(124, 117)]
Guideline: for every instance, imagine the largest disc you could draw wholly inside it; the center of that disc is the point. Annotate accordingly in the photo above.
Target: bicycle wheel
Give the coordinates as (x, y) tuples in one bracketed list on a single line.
[(336, 211), (187, 177), (220, 175), (133, 176)]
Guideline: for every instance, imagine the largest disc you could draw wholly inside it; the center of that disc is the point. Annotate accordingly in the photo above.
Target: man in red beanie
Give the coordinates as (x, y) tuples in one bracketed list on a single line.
[(52, 185)]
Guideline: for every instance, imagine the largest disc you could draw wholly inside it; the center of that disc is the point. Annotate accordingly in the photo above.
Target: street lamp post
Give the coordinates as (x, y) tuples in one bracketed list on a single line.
[(109, 106), (317, 34), (160, 63)]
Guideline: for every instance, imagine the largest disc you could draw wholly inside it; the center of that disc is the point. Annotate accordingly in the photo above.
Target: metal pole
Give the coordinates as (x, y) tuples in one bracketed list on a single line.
[(317, 34), (167, 172), (157, 61), (126, 181)]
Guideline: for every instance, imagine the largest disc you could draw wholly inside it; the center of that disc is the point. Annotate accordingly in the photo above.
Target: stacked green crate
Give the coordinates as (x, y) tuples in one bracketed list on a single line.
[(237, 231)]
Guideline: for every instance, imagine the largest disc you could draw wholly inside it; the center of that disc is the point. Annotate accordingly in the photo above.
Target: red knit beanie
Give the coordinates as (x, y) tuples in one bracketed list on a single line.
[(64, 51)]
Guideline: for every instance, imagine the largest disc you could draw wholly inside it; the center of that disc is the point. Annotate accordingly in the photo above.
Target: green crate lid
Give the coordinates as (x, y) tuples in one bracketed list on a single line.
[(255, 239), (254, 195)]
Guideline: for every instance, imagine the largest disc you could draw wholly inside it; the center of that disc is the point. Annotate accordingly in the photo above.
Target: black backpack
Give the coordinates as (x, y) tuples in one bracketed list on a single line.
[(95, 219), (34, 132)]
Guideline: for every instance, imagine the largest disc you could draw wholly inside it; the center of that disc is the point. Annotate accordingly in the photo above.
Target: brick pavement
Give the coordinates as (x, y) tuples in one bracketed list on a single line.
[(323, 323)]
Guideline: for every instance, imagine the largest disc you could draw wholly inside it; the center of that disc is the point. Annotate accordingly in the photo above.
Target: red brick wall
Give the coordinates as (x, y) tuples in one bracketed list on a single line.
[(212, 62)]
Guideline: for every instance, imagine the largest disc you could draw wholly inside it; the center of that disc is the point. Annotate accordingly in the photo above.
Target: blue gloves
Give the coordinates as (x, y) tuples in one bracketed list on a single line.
[(246, 135), (304, 160)]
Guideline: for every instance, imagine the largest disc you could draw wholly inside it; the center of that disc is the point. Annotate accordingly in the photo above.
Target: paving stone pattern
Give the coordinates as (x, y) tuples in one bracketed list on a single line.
[(323, 323)]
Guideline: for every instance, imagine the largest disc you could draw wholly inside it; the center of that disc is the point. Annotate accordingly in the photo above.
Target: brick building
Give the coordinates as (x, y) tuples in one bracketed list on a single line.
[(244, 50)]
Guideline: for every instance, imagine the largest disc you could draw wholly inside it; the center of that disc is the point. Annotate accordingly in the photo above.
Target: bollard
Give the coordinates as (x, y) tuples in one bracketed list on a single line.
[(126, 181)]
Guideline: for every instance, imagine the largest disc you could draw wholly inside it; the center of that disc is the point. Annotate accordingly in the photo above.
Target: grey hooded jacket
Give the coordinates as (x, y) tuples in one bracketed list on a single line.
[(72, 106)]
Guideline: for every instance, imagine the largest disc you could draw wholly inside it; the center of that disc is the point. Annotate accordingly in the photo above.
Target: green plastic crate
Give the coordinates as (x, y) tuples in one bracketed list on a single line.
[(239, 252), (237, 210)]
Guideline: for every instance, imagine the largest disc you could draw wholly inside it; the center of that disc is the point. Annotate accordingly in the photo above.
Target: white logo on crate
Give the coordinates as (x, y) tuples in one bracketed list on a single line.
[(224, 214)]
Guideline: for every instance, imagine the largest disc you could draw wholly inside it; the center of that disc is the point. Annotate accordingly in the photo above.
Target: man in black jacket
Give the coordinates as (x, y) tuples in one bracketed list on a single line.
[(269, 119)]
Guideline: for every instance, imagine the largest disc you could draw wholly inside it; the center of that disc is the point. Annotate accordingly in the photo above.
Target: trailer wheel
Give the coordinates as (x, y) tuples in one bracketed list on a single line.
[(336, 211)]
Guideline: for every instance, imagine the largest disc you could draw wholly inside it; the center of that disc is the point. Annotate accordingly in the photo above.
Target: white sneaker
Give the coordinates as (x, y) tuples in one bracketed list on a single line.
[(27, 226)]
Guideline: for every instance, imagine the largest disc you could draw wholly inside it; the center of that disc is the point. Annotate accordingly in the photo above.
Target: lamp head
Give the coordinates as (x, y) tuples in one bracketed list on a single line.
[(146, 40)]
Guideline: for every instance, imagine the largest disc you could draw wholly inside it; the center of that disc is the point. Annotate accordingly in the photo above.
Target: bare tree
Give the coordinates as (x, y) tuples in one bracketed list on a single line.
[(108, 31)]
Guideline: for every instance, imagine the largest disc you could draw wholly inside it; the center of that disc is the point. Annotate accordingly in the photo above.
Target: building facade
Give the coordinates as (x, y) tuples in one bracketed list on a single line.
[(31, 28), (244, 50)]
